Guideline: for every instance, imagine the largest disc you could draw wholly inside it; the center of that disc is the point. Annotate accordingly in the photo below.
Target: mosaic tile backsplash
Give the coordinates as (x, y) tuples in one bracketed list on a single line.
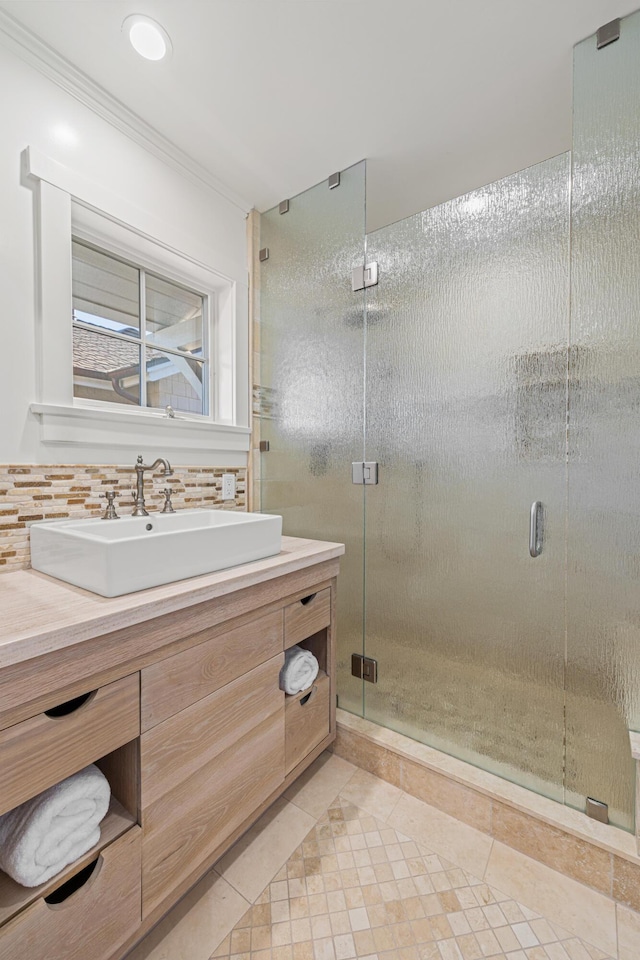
[(57, 491)]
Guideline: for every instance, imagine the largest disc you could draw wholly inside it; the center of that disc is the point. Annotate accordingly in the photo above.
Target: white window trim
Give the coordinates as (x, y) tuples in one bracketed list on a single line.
[(104, 234), (68, 203)]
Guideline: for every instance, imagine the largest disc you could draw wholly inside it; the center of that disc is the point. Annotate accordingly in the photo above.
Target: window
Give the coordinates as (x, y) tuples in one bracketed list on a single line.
[(139, 339), (136, 313)]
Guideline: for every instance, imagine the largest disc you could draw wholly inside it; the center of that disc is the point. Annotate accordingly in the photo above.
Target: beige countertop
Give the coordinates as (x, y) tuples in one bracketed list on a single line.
[(39, 614)]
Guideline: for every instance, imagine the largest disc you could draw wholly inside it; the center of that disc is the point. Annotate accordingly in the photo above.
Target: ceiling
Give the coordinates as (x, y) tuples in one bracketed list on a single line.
[(272, 96)]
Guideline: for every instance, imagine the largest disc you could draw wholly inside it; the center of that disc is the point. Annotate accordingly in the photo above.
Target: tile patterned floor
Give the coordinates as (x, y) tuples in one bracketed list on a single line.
[(355, 888)]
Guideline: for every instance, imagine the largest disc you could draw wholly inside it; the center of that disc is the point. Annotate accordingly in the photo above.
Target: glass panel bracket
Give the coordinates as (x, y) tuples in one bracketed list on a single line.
[(364, 472), (608, 33), (597, 810), (363, 277), (364, 668)]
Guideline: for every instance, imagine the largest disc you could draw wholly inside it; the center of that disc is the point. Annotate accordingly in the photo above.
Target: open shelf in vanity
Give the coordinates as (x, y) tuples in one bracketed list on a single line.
[(100, 891)]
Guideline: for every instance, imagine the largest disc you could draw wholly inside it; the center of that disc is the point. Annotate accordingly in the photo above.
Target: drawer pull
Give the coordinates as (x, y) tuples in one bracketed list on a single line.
[(306, 600), (75, 883), (309, 696), (70, 706)]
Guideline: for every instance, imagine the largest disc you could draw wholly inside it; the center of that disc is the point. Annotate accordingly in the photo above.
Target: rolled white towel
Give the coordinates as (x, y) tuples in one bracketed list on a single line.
[(43, 835), (299, 671)]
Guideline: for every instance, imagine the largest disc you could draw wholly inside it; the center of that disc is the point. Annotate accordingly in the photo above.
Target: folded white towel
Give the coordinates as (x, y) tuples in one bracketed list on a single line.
[(43, 835), (299, 671)]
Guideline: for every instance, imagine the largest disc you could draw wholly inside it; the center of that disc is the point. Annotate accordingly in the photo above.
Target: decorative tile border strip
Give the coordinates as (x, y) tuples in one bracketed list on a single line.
[(601, 857), (31, 492)]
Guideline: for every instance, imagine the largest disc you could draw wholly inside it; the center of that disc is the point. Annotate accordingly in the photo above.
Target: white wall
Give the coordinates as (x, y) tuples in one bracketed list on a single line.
[(159, 201)]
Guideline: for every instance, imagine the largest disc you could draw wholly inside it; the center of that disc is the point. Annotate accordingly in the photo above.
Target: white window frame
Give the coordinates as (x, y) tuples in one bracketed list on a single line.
[(69, 205), (91, 228)]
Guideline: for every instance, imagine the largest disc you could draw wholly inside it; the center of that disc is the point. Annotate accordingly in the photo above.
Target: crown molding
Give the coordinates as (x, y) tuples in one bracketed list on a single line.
[(38, 54)]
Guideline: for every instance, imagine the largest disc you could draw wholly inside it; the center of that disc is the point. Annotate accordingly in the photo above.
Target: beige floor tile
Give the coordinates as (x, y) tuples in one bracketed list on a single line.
[(575, 857), (450, 950), (628, 933), (507, 939), (320, 784), (543, 931), (463, 845), (576, 950), (252, 862), (355, 887), (372, 794), (595, 953), (582, 911), (195, 927)]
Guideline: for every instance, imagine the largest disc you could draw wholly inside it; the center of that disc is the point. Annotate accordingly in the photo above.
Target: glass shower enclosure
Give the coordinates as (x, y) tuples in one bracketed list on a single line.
[(495, 367)]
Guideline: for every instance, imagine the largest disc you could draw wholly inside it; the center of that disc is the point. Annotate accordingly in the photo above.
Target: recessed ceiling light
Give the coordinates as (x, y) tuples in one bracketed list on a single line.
[(147, 37)]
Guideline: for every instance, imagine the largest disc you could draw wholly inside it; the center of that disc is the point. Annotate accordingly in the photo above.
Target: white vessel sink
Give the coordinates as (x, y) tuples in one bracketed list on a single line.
[(113, 557)]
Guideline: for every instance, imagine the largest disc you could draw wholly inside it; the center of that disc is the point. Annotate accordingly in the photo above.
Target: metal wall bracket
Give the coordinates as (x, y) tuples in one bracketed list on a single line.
[(364, 668), (334, 181), (264, 446), (597, 810), (364, 472), (362, 277), (283, 207), (608, 33), (264, 254)]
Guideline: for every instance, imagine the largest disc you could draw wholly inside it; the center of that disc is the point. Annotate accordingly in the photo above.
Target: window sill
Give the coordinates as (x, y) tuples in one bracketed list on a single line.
[(180, 438)]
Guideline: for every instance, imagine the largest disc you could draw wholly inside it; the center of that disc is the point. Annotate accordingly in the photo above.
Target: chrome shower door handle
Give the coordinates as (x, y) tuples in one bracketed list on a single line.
[(535, 529)]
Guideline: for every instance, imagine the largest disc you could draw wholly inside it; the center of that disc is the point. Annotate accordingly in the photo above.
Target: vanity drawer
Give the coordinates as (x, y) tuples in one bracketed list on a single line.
[(306, 723), (175, 750), (175, 683), (44, 750), (91, 922), (307, 616)]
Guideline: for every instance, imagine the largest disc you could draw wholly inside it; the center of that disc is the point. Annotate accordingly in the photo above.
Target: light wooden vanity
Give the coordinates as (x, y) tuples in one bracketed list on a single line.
[(173, 692)]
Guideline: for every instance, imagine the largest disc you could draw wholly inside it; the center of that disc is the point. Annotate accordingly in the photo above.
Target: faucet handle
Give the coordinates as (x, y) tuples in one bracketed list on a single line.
[(168, 507), (110, 510)]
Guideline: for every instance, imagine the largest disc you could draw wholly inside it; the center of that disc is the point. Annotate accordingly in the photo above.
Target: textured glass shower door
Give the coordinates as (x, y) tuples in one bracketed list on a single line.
[(466, 415), (311, 386), (603, 578)]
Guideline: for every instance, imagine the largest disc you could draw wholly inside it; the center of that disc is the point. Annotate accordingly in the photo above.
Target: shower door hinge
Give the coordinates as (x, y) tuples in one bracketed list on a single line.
[(364, 668), (363, 277), (364, 472)]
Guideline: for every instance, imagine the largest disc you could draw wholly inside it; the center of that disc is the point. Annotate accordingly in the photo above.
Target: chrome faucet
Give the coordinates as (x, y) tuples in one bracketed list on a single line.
[(139, 509)]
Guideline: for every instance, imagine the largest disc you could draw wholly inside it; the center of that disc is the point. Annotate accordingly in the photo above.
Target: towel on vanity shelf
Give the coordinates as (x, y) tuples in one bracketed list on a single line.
[(299, 671), (43, 835)]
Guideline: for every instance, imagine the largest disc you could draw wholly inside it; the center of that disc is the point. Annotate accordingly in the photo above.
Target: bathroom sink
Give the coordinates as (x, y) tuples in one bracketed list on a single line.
[(113, 557)]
